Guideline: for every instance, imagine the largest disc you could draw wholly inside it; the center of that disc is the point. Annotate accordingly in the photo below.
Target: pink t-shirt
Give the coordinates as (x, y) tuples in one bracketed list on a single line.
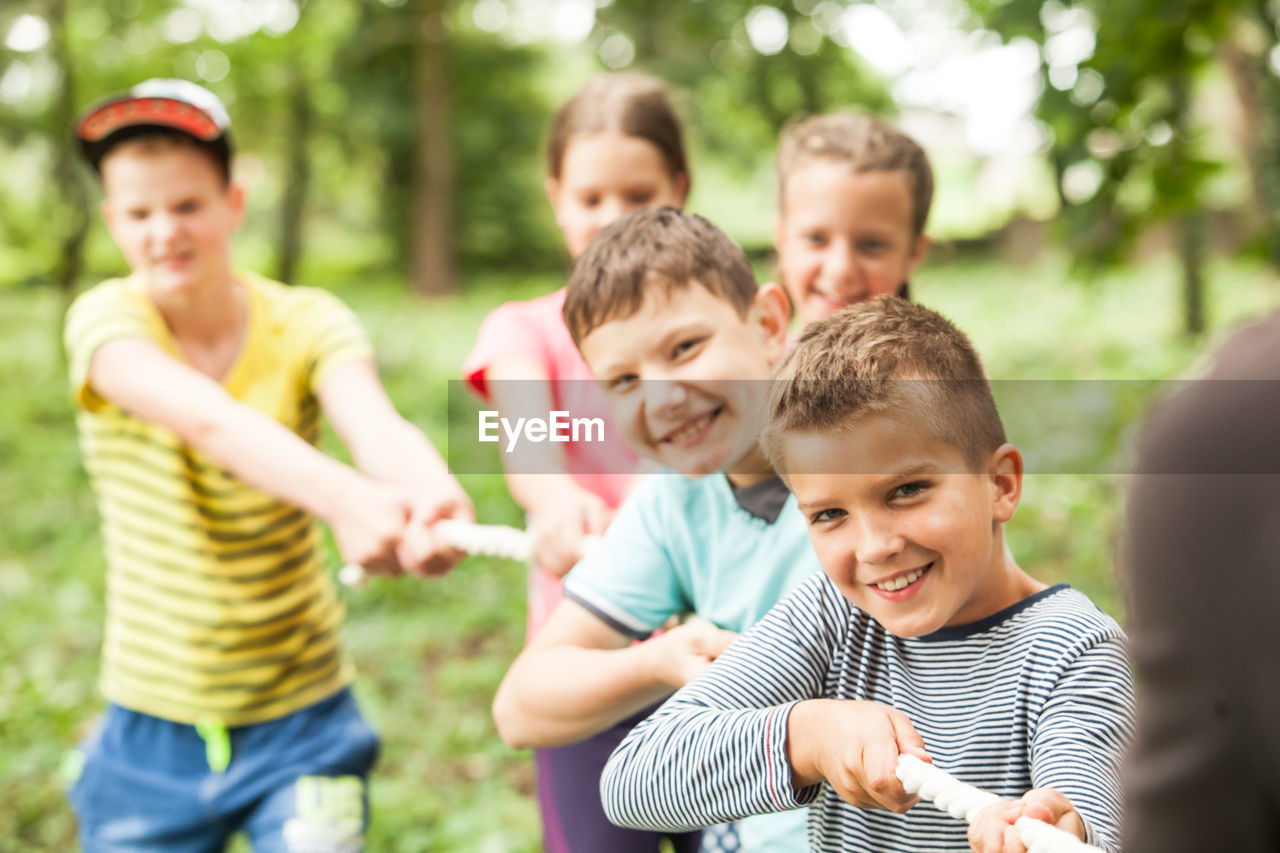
[(535, 330)]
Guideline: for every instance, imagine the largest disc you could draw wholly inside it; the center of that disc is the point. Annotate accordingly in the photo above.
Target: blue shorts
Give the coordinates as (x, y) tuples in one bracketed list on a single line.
[(292, 785)]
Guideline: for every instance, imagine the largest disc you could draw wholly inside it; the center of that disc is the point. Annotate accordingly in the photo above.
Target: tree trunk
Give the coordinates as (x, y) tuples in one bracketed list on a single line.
[(1191, 246), (1191, 221), (69, 186), (432, 222), (297, 180), (72, 226)]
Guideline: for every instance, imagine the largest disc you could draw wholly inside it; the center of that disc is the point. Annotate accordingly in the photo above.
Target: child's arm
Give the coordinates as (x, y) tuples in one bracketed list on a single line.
[(744, 738), (1079, 740), (563, 512), (579, 676), (389, 449), (368, 518)]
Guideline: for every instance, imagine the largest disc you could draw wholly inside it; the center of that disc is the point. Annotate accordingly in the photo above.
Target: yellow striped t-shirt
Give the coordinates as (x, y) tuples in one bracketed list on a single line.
[(217, 602)]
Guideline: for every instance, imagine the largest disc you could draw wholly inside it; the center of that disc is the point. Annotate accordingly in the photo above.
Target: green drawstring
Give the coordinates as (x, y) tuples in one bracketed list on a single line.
[(217, 743)]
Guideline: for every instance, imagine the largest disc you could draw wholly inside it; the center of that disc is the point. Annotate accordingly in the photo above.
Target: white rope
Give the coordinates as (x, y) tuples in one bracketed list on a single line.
[(964, 801), (489, 540)]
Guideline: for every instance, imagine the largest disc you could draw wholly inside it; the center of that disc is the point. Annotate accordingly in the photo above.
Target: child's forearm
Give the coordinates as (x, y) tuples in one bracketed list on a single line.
[(690, 765), (400, 453), (564, 694), (267, 455), (537, 473)]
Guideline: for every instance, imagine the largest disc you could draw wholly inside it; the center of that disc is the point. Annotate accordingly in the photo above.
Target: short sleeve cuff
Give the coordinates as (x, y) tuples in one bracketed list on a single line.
[(607, 612)]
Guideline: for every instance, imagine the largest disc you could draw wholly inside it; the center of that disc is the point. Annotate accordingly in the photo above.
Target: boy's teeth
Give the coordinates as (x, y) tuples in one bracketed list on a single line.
[(901, 581), (689, 430)]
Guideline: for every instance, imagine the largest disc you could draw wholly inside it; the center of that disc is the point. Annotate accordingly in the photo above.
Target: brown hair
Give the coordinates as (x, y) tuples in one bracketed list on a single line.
[(631, 104), (653, 247), (866, 145), (886, 355)]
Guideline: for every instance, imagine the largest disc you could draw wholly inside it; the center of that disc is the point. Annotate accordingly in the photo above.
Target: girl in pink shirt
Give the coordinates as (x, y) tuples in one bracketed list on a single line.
[(614, 147)]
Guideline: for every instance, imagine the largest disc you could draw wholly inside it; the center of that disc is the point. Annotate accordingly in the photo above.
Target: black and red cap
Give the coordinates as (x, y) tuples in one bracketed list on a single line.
[(157, 104)]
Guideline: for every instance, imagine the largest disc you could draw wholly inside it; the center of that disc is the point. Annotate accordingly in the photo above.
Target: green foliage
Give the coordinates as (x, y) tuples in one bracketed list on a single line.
[(1130, 109), (743, 97), (498, 114)]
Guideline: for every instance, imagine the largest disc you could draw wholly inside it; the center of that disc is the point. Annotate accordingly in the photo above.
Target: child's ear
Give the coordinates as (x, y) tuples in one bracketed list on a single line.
[(552, 188), (237, 200), (680, 185), (1005, 470), (771, 310), (918, 252)]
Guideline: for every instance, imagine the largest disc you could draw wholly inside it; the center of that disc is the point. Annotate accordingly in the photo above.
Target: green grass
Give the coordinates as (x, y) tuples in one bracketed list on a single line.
[(429, 654)]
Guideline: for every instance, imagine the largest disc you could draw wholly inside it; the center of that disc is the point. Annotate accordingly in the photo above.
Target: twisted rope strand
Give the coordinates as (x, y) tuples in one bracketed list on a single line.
[(489, 540), (964, 801)]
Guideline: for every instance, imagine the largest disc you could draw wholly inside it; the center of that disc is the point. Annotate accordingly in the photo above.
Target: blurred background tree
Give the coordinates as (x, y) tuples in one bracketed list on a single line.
[(404, 136)]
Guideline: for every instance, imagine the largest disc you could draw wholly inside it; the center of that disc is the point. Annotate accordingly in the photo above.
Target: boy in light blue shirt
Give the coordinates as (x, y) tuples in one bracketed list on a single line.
[(668, 315)]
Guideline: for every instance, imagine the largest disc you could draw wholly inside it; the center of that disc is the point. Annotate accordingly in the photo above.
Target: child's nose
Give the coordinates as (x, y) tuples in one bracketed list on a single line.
[(665, 396), (877, 541), (166, 226), (841, 263), (611, 209)]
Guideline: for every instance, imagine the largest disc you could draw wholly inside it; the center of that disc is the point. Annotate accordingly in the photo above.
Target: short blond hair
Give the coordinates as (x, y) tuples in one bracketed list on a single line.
[(865, 144), (884, 356)]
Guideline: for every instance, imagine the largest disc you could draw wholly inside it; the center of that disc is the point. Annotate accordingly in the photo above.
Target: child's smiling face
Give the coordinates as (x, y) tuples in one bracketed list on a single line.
[(844, 236), (685, 377), (913, 538)]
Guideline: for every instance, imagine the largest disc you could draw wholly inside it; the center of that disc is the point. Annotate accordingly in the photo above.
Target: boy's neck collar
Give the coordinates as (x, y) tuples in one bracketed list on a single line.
[(762, 498)]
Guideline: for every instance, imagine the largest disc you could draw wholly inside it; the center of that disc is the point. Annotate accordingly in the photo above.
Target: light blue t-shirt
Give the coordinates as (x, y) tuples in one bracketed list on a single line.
[(681, 544)]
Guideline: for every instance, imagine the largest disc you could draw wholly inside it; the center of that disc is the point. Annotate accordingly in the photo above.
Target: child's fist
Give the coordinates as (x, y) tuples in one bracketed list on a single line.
[(686, 650), (854, 746), (993, 831), (562, 530)]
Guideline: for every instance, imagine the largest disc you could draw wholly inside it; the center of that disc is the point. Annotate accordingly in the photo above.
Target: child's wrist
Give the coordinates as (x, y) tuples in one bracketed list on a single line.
[(338, 491), (802, 720), (653, 663)]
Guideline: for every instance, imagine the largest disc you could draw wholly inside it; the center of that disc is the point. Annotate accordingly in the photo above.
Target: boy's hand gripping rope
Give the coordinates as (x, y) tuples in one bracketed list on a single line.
[(965, 801), (490, 540)]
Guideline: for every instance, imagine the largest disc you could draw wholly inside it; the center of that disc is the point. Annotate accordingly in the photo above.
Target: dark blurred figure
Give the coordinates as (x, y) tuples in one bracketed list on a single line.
[(1203, 561)]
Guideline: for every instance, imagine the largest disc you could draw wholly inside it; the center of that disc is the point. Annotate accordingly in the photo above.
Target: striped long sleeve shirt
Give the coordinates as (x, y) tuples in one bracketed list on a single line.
[(1037, 695)]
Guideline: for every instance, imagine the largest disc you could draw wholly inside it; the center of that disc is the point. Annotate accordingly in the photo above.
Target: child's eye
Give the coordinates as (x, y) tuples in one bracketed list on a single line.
[(872, 247), (622, 383), (640, 198), (909, 490), (189, 206), (685, 346), (816, 239), (826, 515), (137, 214), (589, 200)]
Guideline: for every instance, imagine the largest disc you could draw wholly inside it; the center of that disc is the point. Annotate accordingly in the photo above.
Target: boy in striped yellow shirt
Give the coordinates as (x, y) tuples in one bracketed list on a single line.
[(199, 389)]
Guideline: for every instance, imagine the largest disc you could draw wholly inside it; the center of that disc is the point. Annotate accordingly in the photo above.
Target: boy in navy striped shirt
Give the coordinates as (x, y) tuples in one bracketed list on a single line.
[(921, 636)]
